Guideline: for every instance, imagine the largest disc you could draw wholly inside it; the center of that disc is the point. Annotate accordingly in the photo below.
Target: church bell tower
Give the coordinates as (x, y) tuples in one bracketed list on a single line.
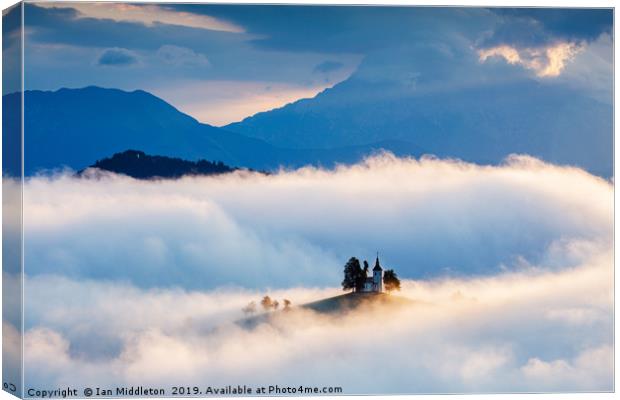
[(377, 276)]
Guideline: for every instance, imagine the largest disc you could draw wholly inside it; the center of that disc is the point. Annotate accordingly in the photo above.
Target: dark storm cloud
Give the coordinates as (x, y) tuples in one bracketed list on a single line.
[(117, 57), (539, 26), (366, 28), (352, 29), (346, 29), (290, 44), (285, 28)]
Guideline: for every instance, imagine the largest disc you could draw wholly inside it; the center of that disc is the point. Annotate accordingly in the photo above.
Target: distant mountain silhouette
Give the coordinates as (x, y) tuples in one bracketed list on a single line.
[(480, 123), (75, 127), (140, 165), (483, 124)]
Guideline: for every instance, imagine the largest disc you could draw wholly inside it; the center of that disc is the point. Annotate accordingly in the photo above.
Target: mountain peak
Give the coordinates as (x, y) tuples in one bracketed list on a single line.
[(482, 123)]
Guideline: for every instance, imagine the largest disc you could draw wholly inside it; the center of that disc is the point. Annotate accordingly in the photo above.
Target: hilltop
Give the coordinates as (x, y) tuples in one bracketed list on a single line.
[(332, 306), (351, 301), (140, 165)]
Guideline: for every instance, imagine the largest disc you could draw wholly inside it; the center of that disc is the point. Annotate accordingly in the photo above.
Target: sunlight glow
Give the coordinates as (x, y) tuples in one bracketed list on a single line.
[(147, 14)]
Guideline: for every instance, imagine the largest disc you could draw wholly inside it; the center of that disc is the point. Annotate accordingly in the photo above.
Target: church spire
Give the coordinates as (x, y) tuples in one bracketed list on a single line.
[(377, 265)]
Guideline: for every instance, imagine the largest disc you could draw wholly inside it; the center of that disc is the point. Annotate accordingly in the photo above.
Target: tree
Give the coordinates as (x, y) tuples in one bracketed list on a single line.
[(352, 274), (361, 279), (249, 309), (275, 304), (267, 303), (390, 280), (287, 304)]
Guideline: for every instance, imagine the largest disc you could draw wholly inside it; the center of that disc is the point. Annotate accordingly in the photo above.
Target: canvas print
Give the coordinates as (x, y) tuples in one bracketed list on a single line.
[(290, 200)]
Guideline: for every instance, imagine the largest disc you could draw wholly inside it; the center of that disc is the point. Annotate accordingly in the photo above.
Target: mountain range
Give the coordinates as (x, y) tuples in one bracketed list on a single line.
[(75, 127), (480, 123)]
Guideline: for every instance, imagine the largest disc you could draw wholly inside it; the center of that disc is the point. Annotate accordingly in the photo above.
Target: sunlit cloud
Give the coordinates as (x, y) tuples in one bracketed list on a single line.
[(546, 62), (510, 54), (147, 14)]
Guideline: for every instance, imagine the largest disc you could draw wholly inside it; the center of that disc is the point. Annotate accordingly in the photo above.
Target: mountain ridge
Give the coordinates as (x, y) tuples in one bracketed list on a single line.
[(481, 123), (75, 127)]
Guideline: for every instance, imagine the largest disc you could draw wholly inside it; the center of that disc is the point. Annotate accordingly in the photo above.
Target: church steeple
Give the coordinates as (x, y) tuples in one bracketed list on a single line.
[(377, 276), (377, 265)]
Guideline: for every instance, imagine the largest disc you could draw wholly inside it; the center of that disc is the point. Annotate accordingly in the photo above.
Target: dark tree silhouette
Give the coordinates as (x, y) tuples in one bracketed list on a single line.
[(352, 274), (139, 165), (390, 280), (361, 279), (366, 268), (267, 303), (287, 304), (275, 304), (249, 309)]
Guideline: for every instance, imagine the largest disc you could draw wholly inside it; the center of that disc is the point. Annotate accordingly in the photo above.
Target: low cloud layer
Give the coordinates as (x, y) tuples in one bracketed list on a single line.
[(508, 269), (427, 218), (534, 331)]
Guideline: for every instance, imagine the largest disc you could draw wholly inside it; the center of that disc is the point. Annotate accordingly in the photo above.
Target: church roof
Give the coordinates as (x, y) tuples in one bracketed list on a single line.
[(377, 265)]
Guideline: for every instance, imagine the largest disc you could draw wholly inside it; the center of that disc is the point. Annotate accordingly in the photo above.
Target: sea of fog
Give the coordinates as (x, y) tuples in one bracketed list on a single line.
[(509, 269)]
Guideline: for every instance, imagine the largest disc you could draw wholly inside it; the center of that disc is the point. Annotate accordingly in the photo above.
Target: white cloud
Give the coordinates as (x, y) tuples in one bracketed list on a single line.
[(495, 336), (247, 229), (547, 62), (509, 269), (587, 367), (147, 14)]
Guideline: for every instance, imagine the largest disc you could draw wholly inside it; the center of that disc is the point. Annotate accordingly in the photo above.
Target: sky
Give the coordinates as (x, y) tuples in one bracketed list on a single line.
[(222, 63), (140, 282)]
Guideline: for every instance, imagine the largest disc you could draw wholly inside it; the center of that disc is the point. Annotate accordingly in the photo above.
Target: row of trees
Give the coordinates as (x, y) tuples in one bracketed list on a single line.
[(355, 276), (268, 304)]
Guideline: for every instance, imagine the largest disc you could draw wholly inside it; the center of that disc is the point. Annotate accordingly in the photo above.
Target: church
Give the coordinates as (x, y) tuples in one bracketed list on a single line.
[(374, 283)]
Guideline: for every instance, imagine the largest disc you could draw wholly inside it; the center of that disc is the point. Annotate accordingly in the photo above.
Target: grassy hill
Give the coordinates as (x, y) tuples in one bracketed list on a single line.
[(351, 301), (334, 305)]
